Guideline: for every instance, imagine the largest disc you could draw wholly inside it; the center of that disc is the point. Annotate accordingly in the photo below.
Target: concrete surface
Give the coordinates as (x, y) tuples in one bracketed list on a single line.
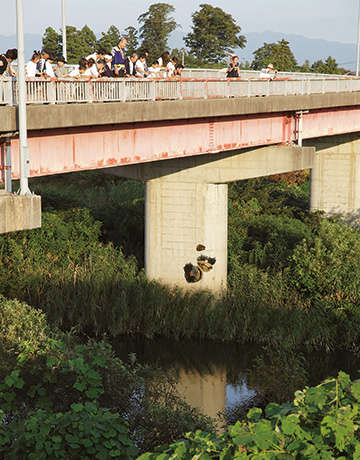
[(19, 212)]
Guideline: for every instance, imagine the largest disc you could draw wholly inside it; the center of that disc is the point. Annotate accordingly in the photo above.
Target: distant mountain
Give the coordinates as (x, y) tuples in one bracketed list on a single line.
[(302, 47)]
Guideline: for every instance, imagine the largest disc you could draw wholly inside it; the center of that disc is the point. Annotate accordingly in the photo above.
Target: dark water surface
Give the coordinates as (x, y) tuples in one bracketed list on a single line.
[(214, 375)]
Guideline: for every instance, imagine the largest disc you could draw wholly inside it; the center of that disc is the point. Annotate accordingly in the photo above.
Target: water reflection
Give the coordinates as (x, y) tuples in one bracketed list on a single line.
[(213, 376)]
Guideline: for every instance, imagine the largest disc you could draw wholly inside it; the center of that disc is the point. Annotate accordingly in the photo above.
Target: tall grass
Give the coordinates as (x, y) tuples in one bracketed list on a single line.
[(292, 275)]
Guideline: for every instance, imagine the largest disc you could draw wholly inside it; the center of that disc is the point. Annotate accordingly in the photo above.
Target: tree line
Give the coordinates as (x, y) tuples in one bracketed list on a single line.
[(213, 37)]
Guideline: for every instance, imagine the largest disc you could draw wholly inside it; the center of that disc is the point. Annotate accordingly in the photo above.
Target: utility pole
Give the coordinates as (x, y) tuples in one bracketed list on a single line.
[(23, 148), (63, 30), (358, 45)]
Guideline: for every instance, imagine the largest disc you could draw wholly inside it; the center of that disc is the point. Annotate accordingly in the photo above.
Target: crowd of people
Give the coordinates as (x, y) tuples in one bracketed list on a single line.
[(100, 64), (45, 64)]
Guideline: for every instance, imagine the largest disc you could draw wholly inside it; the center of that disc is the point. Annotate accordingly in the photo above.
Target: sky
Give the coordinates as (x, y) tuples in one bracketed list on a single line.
[(332, 20)]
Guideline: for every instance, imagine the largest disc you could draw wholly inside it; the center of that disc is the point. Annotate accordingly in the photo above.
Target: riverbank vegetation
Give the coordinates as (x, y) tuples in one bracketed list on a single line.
[(292, 275), (292, 284), (61, 398)]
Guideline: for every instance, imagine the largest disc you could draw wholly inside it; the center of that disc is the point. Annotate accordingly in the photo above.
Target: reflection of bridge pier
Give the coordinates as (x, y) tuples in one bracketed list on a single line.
[(206, 392)]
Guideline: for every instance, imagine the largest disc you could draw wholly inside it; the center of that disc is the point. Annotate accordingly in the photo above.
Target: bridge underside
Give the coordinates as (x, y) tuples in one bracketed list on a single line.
[(54, 151)]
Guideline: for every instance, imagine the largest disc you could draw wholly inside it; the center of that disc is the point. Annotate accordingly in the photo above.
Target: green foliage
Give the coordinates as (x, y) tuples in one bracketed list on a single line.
[(214, 35), (279, 54), (156, 26), (52, 39), (76, 44), (109, 39), (330, 66), (321, 423), (90, 40), (71, 400), (131, 36)]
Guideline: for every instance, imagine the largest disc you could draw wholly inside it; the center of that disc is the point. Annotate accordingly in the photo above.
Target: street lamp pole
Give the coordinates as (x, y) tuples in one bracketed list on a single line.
[(63, 30), (358, 45), (23, 148)]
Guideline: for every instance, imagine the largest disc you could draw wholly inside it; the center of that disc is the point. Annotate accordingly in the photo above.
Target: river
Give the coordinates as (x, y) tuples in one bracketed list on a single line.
[(214, 376)]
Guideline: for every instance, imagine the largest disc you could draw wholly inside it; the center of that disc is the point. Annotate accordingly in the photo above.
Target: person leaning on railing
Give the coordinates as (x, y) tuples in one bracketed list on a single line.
[(233, 68), (5, 61), (61, 71), (268, 73)]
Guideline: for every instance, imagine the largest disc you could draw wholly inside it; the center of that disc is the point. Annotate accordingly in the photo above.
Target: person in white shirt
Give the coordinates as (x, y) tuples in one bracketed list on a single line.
[(171, 67), (80, 69), (266, 73), (92, 68), (140, 66), (154, 70), (30, 69), (49, 71), (96, 56)]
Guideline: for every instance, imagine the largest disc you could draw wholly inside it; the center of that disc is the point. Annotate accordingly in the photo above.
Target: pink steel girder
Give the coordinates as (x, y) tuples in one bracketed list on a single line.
[(74, 149)]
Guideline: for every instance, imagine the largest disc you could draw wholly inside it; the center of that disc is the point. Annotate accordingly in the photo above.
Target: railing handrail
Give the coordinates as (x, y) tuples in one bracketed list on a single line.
[(55, 91)]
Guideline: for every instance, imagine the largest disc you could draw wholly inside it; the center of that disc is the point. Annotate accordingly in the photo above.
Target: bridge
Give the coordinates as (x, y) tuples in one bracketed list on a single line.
[(187, 139)]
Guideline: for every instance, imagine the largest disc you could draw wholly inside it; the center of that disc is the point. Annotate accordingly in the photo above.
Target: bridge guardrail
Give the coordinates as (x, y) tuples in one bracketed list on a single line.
[(41, 91)]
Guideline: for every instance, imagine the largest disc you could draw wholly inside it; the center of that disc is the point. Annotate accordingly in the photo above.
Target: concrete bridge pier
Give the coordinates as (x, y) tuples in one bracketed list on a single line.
[(335, 176), (186, 204), (179, 216)]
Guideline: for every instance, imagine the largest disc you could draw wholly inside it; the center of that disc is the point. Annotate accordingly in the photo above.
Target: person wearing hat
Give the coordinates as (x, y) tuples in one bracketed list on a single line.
[(61, 71), (268, 73)]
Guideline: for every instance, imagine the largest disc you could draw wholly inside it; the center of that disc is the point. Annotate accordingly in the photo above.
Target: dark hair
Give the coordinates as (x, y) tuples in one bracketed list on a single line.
[(142, 55), (52, 57), (175, 59), (82, 62), (145, 51), (155, 62), (101, 51), (36, 54), (101, 61), (90, 62), (179, 66), (165, 58), (11, 54)]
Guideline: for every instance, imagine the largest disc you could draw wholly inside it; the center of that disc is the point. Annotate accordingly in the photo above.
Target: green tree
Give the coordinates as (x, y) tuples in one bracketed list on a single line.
[(52, 39), (214, 35), (131, 36), (279, 54), (109, 39), (156, 26), (330, 66), (89, 38), (75, 44)]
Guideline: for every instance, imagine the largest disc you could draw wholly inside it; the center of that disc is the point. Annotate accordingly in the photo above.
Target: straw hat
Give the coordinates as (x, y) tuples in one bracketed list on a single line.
[(270, 66)]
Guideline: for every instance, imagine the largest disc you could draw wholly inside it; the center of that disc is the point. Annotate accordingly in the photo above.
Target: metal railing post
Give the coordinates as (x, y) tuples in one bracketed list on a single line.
[(7, 165)]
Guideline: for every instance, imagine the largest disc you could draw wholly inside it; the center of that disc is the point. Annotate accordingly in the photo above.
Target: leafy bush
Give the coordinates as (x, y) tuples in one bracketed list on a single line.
[(71, 400), (321, 423)]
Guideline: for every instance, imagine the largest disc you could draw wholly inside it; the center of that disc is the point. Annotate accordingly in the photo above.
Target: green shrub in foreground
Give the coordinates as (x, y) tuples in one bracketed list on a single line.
[(322, 423)]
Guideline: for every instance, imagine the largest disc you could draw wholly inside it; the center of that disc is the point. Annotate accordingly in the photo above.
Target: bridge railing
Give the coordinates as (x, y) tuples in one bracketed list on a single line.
[(250, 74), (41, 91)]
